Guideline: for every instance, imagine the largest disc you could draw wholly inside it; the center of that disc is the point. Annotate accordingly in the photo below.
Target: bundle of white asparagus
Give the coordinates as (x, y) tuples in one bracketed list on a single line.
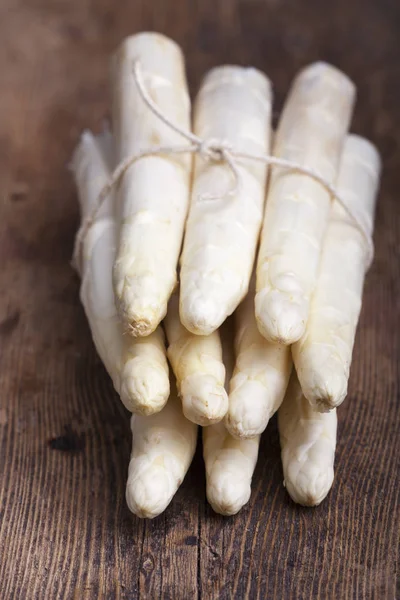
[(300, 300)]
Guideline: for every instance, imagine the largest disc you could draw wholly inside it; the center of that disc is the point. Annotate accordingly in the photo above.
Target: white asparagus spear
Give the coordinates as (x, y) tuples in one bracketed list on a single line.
[(163, 446), (230, 462), (261, 375), (153, 195), (311, 133), (138, 368), (230, 465), (200, 373), (323, 355), (308, 442), (233, 105)]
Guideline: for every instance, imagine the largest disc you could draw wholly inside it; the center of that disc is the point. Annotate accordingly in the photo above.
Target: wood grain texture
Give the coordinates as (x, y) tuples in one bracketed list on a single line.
[(65, 531)]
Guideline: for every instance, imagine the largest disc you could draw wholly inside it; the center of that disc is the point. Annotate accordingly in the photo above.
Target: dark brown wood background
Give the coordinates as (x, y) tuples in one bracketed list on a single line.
[(65, 531)]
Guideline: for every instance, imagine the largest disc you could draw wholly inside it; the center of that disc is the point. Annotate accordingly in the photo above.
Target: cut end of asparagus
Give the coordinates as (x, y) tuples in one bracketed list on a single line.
[(149, 40), (226, 494), (202, 316), (250, 76), (319, 71), (145, 387), (149, 492), (281, 316), (310, 489), (204, 400), (249, 412)]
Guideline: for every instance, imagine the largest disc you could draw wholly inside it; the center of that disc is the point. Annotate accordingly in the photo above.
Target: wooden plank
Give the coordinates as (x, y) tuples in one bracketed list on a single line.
[(65, 531)]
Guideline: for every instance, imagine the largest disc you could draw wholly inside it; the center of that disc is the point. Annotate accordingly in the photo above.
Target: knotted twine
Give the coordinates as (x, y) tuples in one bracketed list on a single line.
[(215, 151)]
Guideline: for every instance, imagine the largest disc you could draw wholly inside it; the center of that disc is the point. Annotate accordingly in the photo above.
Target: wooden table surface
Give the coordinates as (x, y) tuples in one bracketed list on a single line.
[(65, 531)]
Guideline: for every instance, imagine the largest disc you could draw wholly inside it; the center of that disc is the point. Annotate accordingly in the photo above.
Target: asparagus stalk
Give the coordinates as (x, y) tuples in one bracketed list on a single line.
[(233, 105), (200, 373), (163, 446), (261, 375), (311, 133), (139, 369), (230, 462), (323, 354), (230, 465), (153, 195), (308, 442)]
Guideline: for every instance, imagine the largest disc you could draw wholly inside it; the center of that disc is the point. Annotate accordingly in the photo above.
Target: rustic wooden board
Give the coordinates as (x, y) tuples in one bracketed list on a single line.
[(65, 531)]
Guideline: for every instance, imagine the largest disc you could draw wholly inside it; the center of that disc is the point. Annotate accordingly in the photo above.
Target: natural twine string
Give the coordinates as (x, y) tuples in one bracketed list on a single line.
[(217, 151)]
